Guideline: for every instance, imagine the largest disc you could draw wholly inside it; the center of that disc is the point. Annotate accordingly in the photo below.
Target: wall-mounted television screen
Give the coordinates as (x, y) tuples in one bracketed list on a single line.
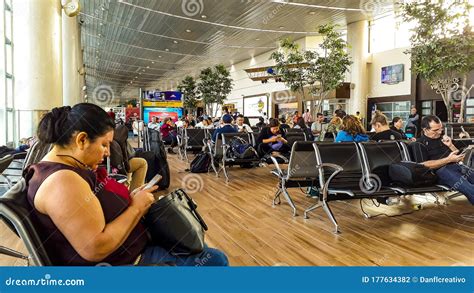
[(161, 113), (393, 74)]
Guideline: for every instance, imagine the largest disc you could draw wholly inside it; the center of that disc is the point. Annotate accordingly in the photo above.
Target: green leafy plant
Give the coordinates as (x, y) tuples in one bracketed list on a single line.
[(214, 85), (132, 102), (306, 68), (188, 88), (442, 47), (294, 65), (332, 67)]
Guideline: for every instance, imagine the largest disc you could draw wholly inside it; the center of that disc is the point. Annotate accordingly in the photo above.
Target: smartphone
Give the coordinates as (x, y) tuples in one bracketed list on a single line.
[(153, 181), (409, 135), (464, 151)]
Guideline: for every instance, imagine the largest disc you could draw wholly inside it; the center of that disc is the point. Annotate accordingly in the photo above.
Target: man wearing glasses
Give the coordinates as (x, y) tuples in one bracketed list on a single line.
[(443, 156)]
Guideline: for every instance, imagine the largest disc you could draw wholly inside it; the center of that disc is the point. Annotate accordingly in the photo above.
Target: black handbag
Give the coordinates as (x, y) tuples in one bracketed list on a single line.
[(174, 224), (411, 174)]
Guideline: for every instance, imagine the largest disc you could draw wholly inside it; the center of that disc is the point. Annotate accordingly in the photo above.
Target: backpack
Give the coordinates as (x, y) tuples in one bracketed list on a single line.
[(240, 149), (201, 163), (411, 174)]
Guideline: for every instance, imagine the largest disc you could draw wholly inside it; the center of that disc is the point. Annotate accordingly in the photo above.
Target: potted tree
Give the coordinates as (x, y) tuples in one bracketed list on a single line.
[(305, 68), (442, 47), (189, 90), (214, 85)]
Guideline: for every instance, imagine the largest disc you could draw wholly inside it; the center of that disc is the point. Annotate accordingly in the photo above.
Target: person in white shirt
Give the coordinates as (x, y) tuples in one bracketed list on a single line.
[(200, 124), (307, 117), (318, 128), (154, 123), (137, 126), (242, 127), (208, 123)]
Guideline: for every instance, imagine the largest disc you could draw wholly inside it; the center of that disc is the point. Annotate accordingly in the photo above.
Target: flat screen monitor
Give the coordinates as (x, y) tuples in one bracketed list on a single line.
[(161, 113), (393, 74)]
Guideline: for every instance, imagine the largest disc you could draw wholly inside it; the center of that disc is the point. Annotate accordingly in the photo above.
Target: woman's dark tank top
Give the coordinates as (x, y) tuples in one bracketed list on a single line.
[(59, 249)]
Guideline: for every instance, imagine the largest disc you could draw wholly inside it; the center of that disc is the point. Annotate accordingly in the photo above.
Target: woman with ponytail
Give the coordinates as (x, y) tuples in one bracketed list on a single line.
[(78, 224)]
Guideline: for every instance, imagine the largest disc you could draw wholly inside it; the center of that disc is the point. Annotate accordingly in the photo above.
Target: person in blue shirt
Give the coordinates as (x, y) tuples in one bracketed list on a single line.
[(351, 130), (227, 127)]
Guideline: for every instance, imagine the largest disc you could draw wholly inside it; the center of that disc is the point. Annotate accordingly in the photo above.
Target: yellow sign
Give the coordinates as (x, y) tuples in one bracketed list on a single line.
[(170, 104)]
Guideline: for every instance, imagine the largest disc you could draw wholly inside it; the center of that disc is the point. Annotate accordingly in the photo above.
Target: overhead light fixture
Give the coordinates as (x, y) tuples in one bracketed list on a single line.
[(101, 23), (143, 70), (167, 50), (188, 30), (281, 27), (148, 67), (152, 62), (175, 41), (159, 56), (257, 39), (203, 16), (312, 12)]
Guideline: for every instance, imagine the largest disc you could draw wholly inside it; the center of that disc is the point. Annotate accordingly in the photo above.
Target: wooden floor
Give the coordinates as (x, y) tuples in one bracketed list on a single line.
[(243, 223)]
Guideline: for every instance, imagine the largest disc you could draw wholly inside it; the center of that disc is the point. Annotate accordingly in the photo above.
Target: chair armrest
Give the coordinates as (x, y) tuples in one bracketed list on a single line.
[(325, 183), (13, 253), (210, 147), (285, 159), (19, 156), (275, 162), (332, 166)]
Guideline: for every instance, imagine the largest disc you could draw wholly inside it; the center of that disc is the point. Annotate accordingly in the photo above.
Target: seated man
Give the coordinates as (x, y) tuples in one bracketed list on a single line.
[(242, 127), (154, 123), (272, 139), (226, 127), (383, 132), (444, 157), (318, 127)]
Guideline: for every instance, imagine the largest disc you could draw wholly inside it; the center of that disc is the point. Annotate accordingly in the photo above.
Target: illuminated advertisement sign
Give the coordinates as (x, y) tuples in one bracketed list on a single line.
[(161, 113)]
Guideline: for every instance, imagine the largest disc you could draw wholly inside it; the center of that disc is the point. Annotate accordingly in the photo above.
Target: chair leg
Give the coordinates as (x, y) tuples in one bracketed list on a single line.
[(225, 173), (277, 196), (312, 208), (290, 201), (186, 155), (328, 211), (214, 166)]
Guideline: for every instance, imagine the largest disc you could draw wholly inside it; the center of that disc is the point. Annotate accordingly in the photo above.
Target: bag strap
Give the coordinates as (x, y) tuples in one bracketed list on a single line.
[(193, 206)]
